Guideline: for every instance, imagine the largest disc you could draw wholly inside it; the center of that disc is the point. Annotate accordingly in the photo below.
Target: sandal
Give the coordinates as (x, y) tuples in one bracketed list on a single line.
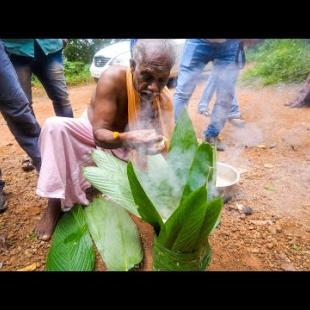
[(27, 165)]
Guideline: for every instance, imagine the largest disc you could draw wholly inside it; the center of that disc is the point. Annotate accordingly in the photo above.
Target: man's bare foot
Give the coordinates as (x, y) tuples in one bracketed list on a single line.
[(48, 221)]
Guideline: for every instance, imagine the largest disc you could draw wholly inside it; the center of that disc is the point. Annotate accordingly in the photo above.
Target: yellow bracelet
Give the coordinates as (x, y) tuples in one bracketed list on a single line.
[(115, 135)]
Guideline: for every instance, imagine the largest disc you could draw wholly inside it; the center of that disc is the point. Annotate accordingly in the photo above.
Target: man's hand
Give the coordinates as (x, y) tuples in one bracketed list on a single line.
[(146, 141)]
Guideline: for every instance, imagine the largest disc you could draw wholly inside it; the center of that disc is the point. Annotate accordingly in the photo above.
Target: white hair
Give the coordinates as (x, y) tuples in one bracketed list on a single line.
[(162, 46)]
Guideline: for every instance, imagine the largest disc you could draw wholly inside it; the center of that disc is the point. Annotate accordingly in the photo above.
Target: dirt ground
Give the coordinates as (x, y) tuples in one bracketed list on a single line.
[(272, 153)]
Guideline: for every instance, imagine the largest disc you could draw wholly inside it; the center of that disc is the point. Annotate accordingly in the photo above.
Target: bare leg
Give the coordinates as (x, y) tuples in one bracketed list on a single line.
[(48, 221)]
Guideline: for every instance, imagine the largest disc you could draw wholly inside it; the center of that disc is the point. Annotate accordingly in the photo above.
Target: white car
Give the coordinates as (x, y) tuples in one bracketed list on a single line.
[(119, 53)]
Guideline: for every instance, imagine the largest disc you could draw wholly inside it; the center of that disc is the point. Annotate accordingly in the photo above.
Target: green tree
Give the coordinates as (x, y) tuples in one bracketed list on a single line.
[(83, 50)]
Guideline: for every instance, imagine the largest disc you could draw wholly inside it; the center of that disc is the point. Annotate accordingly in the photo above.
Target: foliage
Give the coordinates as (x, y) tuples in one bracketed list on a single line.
[(278, 61)]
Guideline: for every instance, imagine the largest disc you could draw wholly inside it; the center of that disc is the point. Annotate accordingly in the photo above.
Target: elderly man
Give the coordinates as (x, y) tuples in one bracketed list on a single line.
[(131, 111)]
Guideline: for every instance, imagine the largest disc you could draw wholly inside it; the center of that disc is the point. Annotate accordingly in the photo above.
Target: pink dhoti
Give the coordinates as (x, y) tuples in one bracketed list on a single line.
[(66, 145)]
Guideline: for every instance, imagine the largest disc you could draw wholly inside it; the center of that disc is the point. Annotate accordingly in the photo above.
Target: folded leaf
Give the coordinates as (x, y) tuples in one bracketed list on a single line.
[(211, 219), (176, 221), (72, 247), (200, 169), (161, 185), (115, 235), (189, 236), (182, 149), (166, 260), (145, 207)]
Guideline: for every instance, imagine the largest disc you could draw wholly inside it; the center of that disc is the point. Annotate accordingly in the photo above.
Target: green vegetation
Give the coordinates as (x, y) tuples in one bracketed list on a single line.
[(278, 61), (78, 55)]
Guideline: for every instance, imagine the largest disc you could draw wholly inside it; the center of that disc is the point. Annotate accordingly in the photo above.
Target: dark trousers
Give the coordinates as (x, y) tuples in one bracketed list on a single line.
[(15, 109), (49, 69)]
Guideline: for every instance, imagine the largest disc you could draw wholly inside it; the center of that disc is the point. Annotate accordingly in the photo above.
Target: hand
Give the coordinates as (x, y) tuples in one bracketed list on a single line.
[(156, 148), (146, 141)]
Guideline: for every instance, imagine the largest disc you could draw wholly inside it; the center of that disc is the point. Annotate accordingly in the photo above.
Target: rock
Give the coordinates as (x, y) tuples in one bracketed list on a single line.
[(3, 243), (269, 245), (278, 229), (272, 230), (251, 227), (1, 265), (244, 210), (28, 253), (254, 251), (31, 267), (287, 267), (282, 256), (261, 222), (268, 166), (261, 146)]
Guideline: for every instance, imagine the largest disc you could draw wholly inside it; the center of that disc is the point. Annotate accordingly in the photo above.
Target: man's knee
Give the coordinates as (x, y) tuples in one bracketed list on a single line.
[(183, 95), (54, 124)]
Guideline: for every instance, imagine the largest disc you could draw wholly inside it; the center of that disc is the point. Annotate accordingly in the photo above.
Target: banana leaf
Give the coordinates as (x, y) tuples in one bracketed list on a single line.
[(110, 178), (166, 260), (189, 235), (198, 176), (115, 235), (145, 206), (182, 149), (72, 247), (212, 217), (160, 185), (201, 168)]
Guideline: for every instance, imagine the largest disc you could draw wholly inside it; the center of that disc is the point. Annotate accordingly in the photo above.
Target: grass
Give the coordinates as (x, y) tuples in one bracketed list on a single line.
[(278, 61)]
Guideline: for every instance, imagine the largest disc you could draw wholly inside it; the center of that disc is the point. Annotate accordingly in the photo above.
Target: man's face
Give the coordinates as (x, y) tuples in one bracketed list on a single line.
[(150, 77)]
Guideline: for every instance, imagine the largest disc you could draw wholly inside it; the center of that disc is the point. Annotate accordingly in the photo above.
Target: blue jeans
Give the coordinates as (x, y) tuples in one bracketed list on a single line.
[(208, 94), (49, 69), (196, 55), (15, 109)]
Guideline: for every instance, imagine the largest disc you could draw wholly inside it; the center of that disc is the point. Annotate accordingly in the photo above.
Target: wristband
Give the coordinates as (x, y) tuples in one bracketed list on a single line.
[(115, 135)]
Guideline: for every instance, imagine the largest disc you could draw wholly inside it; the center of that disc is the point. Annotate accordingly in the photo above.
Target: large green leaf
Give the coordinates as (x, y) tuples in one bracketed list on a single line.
[(160, 185), (166, 260), (113, 184), (205, 255), (72, 247), (108, 162), (145, 206), (212, 191), (182, 149), (115, 235), (198, 178), (176, 221), (211, 219), (188, 238), (201, 167)]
